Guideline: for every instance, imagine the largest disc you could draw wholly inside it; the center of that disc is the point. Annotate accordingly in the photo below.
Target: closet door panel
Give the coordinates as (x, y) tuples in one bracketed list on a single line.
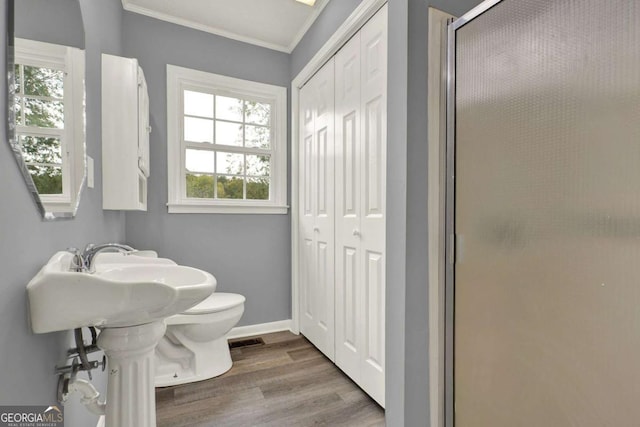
[(325, 213), (308, 274), (317, 208), (373, 78), (372, 369), (373, 179), (349, 296), (349, 308), (307, 266)]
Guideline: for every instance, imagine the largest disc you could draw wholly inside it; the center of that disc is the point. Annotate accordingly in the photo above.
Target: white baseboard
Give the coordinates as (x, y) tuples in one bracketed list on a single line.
[(262, 328), (100, 421)]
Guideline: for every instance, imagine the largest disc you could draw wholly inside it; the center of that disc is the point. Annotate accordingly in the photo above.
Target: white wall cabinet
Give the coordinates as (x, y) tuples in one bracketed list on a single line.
[(342, 277), (125, 134)]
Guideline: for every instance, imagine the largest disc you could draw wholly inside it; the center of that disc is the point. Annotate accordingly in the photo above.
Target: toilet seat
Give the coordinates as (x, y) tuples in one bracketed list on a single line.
[(218, 305), (216, 302)]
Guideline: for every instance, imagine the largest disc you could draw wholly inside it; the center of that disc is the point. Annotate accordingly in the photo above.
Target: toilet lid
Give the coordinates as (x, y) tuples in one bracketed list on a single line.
[(217, 301)]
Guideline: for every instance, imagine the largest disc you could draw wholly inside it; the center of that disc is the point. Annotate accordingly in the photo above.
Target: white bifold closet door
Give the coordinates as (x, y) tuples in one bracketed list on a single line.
[(342, 207), (361, 133), (317, 239)]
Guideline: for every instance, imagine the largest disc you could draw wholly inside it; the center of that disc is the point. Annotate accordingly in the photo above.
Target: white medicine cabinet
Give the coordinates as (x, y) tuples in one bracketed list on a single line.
[(125, 134)]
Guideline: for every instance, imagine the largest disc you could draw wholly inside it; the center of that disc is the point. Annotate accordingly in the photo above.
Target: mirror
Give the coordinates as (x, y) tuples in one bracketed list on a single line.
[(46, 101)]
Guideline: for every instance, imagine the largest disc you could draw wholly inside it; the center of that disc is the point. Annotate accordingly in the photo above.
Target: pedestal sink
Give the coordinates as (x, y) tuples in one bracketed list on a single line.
[(127, 298)]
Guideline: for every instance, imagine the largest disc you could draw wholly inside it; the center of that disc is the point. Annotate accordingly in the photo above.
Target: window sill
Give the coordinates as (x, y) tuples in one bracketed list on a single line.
[(227, 208)]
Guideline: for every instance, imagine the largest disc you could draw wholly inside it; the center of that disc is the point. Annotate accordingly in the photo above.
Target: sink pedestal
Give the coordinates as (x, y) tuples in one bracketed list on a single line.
[(131, 400)]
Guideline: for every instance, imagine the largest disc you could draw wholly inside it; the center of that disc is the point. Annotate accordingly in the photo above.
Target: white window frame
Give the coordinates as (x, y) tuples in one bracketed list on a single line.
[(70, 60), (179, 79)]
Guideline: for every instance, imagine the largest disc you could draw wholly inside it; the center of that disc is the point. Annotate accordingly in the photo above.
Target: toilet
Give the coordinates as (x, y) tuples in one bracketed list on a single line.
[(194, 347)]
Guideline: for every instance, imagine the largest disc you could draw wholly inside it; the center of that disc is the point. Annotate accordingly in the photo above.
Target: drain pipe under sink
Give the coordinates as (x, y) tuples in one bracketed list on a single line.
[(89, 395)]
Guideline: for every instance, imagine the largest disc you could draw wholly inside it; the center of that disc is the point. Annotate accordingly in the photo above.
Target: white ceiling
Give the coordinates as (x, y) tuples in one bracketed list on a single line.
[(274, 24)]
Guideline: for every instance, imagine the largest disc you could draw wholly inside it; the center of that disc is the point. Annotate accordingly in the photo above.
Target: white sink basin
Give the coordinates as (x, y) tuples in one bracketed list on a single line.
[(120, 293), (106, 260)]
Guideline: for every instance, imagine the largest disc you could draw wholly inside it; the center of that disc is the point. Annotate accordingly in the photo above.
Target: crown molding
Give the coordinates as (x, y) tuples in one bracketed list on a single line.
[(130, 7)]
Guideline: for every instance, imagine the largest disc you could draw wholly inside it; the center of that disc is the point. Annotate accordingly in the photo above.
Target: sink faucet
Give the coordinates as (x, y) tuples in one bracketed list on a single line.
[(83, 261)]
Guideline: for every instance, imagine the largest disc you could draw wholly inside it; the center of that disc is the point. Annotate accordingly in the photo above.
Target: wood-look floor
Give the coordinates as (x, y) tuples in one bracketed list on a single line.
[(285, 382)]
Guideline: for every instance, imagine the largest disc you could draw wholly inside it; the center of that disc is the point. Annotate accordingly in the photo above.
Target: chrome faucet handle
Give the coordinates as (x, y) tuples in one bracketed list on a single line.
[(77, 261)]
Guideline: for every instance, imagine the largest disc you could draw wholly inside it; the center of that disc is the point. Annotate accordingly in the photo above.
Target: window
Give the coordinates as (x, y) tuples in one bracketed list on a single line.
[(226, 144), (48, 106)]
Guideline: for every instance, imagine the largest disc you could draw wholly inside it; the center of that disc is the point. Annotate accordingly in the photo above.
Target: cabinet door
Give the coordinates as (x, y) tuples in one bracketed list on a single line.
[(373, 152), (349, 292), (317, 210)]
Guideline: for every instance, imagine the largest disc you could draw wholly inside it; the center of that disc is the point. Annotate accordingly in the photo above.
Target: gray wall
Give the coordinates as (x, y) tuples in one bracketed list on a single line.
[(248, 254), (407, 402), (333, 15), (416, 269), (26, 242), (397, 411), (407, 309), (52, 21)]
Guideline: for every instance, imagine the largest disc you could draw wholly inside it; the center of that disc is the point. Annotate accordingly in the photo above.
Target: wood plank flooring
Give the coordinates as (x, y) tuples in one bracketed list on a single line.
[(284, 382)]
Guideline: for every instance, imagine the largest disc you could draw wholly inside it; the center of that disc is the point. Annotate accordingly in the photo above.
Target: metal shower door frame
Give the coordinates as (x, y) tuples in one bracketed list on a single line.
[(450, 244)]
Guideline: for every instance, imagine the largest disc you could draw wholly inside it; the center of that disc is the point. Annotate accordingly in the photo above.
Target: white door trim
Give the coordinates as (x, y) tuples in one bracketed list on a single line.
[(437, 118), (351, 25)]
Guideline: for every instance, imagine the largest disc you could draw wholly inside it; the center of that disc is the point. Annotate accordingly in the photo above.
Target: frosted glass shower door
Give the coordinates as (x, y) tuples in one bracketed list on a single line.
[(546, 214)]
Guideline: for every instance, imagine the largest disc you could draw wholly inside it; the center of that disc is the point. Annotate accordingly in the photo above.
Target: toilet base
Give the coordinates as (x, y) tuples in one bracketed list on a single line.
[(208, 360)]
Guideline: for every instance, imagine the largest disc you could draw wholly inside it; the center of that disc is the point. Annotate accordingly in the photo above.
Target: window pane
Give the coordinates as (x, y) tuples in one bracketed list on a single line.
[(257, 113), (198, 130), (228, 108), (258, 165), (230, 187), (44, 114), (258, 188), (17, 78), (199, 161), (229, 133), (18, 111), (47, 179), (43, 82), (229, 163), (198, 104), (41, 149), (200, 186), (258, 137)]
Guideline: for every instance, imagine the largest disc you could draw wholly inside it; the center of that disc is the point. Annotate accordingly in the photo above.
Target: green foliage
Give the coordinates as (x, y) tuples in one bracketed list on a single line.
[(256, 112), (48, 180), (42, 82), (41, 149), (258, 189), (200, 187), (39, 152), (230, 188)]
